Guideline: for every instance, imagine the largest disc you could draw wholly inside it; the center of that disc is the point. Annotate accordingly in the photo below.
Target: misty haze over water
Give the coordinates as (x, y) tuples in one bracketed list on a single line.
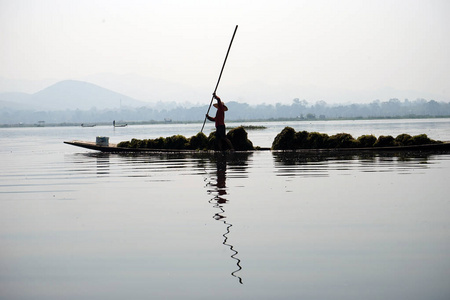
[(298, 110), (74, 102)]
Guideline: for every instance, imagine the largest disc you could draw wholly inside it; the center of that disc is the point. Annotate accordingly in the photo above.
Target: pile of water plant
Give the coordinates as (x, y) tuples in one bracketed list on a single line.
[(289, 139), (250, 127), (237, 136), (239, 139)]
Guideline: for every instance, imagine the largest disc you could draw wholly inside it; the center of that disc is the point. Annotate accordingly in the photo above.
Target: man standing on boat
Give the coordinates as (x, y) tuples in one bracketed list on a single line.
[(219, 119)]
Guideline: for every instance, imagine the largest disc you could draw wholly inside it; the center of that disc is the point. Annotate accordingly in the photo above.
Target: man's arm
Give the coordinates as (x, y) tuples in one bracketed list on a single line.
[(217, 98)]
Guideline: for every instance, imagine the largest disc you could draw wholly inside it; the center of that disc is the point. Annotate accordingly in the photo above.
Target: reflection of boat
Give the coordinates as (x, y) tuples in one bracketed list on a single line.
[(443, 147), (299, 158), (87, 125)]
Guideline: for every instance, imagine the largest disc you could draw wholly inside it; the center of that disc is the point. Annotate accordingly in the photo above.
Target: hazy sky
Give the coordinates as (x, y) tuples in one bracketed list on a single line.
[(320, 49)]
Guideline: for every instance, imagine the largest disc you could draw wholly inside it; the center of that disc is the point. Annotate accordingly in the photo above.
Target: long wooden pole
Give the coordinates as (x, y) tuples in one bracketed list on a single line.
[(221, 71)]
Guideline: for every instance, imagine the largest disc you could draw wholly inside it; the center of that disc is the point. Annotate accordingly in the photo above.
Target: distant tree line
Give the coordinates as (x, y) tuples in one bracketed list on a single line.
[(301, 109), (298, 109)]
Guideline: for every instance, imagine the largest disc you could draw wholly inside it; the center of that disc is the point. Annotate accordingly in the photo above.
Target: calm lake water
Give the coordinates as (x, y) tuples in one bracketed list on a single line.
[(77, 224)]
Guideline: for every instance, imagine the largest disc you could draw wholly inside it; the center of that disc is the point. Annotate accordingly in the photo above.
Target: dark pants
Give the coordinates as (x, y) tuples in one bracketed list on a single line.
[(220, 132)]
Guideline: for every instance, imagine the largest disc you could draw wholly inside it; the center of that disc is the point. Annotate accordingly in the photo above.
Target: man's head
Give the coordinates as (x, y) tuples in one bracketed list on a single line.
[(225, 108)]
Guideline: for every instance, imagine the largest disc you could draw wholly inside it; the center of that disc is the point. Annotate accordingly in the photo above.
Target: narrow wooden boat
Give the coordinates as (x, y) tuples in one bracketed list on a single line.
[(112, 148)]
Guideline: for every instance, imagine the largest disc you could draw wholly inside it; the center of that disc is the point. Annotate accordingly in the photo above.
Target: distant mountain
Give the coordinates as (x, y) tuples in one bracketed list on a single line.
[(69, 95)]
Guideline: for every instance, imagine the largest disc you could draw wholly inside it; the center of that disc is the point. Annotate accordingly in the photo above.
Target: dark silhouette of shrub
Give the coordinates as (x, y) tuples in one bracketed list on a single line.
[(385, 141), (212, 145), (342, 140), (239, 140), (285, 140), (288, 139), (160, 143), (124, 144), (403, 139), (421, 139), (317, 140), (367, 140), (199, 141), (136, 143), (157, 143), (178, 142), (300, 139)]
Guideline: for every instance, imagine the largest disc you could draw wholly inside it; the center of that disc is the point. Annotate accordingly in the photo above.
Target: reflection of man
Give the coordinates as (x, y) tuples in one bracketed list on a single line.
[(219, 119), (221, 177), (221, 186)]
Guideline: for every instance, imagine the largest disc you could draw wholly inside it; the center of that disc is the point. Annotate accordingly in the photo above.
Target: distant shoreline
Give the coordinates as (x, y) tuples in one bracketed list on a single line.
[(151, 122)]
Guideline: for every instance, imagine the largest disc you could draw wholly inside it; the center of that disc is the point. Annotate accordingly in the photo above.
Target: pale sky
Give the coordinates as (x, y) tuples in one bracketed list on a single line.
[(313, 50)]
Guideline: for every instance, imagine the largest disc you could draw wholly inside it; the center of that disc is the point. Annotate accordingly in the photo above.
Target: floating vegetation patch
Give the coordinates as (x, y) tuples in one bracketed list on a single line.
[(237, 136), (289, 139), (250, 127)]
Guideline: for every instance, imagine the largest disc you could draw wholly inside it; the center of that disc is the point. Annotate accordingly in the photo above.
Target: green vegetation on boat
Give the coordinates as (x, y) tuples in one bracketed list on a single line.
[(237, 136), (289, 139)]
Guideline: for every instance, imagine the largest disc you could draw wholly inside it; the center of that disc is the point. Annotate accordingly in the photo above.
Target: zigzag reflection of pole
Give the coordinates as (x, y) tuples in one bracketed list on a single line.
[(217, 200), (218, 216), (238, 261)]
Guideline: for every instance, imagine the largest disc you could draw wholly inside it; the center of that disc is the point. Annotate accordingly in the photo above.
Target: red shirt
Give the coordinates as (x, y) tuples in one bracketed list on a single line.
[(220, 114)]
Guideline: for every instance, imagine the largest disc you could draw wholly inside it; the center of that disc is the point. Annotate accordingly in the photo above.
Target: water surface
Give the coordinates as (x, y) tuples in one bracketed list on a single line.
[(76, 224)]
